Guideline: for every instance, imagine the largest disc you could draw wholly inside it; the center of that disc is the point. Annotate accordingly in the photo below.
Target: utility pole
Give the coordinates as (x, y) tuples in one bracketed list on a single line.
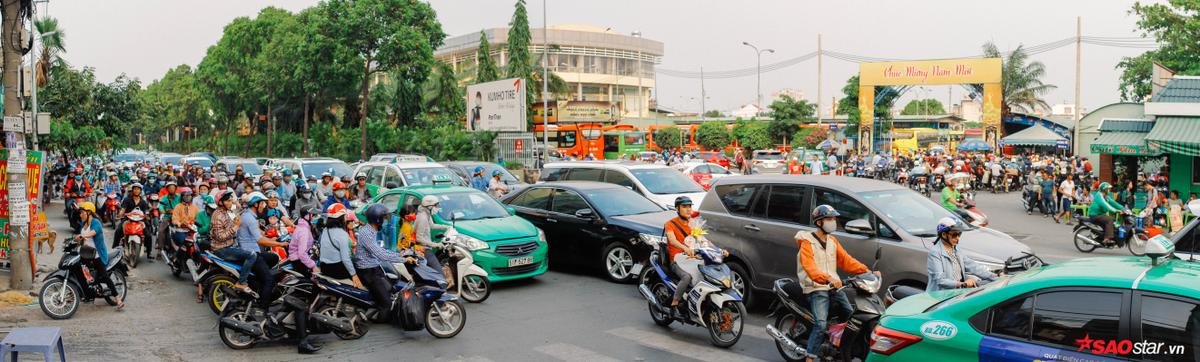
[(33, 67), (545, 86), (819, 56), (703, 95), (1078, 47), (758, 54), (18, 235)]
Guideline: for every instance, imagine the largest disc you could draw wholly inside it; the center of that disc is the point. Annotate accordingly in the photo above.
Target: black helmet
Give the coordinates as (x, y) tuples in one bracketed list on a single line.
[(309, 210), (683, 201), (375, 214)]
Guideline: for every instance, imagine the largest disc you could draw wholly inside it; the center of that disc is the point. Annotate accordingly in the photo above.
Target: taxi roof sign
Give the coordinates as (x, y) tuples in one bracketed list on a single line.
[(1158, 247), (440, 179)]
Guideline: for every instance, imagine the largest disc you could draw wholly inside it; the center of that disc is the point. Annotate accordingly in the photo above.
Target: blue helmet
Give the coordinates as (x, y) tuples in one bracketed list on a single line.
[(683, 201), (497, 173), (478, 169), (375, 214), (255, 197)]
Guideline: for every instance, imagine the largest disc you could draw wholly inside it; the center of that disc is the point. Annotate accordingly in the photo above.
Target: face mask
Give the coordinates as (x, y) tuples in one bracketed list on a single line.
[(340, 193), (829, 227), (306, 194)]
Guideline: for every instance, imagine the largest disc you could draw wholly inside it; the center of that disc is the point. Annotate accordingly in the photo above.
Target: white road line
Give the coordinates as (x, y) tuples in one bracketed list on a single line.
[(472, 359), (573, 353), (664, 342)]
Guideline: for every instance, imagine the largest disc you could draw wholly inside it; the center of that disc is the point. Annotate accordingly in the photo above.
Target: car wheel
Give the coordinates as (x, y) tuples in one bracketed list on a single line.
[(741, 283), (618, 262)]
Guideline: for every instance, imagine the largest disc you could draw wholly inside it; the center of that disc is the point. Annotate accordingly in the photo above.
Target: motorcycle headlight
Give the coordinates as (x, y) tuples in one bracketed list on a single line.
[(652, 239), (472, 243)]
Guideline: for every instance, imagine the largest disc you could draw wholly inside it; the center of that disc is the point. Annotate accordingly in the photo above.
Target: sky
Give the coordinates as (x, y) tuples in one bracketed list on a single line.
[(145, 38)]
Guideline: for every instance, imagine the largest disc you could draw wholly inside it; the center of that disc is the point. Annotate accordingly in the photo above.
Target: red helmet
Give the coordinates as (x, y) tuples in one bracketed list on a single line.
[(338, 185)]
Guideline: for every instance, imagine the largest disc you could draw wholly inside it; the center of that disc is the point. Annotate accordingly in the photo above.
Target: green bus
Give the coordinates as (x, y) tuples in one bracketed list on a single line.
[(618, 144)]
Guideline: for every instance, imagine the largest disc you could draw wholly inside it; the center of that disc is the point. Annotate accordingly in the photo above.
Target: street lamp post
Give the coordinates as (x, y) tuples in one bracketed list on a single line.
[(758, 54)]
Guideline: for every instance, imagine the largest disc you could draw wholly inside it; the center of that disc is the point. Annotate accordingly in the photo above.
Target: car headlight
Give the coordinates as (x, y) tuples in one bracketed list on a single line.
[(993, 267), (541, 235), (472, 243), (651, 239)]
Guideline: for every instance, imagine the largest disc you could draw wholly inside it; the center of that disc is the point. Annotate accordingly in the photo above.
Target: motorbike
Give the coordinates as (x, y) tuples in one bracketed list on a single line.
[(74, 284), (341, 308), (977, 218), (134, 230), (920, 183), (222, 273), (846, 338), (179, 255), (109, 211), (711, 303), (242, 324), (419, 300), (1089, 235), (471, 281)]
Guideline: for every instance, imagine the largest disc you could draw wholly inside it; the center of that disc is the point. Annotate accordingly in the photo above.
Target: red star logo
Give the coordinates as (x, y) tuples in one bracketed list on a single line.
[(1083, 343)]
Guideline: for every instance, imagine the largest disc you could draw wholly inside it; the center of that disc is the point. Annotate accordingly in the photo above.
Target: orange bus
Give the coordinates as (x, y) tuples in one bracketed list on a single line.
[(689, 142), (576, 140)]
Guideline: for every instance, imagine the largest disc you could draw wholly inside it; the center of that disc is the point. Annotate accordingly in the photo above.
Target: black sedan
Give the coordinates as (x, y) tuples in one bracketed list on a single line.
[(593, 224)]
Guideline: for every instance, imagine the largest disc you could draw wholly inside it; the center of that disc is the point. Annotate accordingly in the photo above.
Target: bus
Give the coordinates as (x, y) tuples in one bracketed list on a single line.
[(622, 143), (576, 140)]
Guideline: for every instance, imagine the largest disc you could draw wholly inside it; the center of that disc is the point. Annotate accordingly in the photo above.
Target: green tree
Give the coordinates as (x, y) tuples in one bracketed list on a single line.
[(271, 80), (923, 107), (390, 35), (53, 40), (224, 73), (713, 135), (885, 97), (668, 138), (487, 70), (1021, 81), (714, 114), (786, 114), (442, 94), (1175, 25), (326, 68), (520, 61), (754, 135)]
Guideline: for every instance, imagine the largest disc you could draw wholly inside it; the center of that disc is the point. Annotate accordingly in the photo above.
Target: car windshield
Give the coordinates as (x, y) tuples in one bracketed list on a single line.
[(202, 161), (999, 283), (426, 175), (248, 167), (909, 210), (470, 205), (171, 159), (768, 155), (665, 181), (128, 157), (618, 202), (316, 168)]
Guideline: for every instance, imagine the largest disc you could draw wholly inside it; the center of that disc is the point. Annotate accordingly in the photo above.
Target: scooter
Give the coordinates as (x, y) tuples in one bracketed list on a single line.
[(847, 337), (109, 211), (134, 230), (223, 273), (1089, 235), (977, 218), (341, 308), (179, 255), (74, 284), (242, 324), (711, 303), (419, 300), (471, 282)]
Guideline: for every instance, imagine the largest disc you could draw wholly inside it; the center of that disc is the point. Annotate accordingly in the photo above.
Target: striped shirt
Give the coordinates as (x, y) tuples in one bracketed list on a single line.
[(368, 254)]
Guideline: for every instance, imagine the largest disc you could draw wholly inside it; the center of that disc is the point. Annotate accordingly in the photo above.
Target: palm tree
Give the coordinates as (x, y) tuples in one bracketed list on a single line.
[(1023, 87), (53, 45)]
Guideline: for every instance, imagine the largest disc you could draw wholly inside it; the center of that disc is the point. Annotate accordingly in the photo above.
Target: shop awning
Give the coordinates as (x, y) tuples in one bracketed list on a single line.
[(1175, 135), (1123, 144), (1035, 135)]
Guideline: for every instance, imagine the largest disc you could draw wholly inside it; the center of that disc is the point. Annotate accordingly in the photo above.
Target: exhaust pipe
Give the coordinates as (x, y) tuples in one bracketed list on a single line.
[(339, 324), (785, 341), (1087, 239), (191, 265), (250, 328), (647, 294)]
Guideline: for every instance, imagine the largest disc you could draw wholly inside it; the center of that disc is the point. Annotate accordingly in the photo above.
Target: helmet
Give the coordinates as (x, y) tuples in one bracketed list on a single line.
[(89, 206), (375, 214), (338, 185), (223, 179), (361, 176), (185, 190), (310, 210), (683, 201), (271, 194), (949, 224), (1104, 186), (254, 197), (496, 173), (300, 187), (336, 210), (345, 179), (135, 184), (209, 201), (326, 174), (171, 183), (287, 172), (478, 169), (824, 211), (429, 200), (311, 178)]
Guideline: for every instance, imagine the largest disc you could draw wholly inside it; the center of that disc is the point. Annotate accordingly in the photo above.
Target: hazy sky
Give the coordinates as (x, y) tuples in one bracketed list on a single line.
[(144, 38)]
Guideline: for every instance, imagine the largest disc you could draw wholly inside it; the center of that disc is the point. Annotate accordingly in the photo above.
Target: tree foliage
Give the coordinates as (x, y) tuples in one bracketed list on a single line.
[(885, 97), (786, 114), (923, 107), (713, 136), (1176, 26), (75, 97), (752, 135), (53, 39), (487, 70), (668, 138), (1021, 81)]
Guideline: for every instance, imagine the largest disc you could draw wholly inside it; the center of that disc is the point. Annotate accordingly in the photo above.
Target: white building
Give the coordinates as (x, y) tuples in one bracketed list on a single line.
[(745, 112)]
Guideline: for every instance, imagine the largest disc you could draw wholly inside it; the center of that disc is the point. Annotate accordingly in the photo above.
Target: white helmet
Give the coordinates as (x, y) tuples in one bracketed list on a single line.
[(429, 200)]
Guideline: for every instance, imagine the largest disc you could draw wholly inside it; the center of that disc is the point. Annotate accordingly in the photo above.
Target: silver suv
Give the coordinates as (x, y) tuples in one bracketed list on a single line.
[(757, 217)]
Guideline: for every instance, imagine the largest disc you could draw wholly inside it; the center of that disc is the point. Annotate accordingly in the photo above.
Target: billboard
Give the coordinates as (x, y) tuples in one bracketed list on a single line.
[(578, 111), (497, 106)]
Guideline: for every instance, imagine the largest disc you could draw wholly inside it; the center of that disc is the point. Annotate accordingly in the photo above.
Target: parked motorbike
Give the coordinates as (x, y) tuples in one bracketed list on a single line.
[(108, 212), (1089, 235), (471, 281), (243, 324), (711, 303), (134, 230), (74, 284), (847, 337)]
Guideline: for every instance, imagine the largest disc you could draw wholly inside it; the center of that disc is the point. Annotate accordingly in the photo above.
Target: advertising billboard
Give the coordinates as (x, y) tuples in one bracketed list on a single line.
[(578, 111), (497, 106)]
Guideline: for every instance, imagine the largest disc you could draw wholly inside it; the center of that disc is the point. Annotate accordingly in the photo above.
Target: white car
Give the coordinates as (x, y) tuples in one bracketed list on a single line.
[(382, 174), (768, 161), (658, 183)]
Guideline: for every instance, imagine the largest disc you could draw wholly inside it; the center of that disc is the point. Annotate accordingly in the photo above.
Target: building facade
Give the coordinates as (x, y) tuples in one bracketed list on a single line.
[(597, 64)]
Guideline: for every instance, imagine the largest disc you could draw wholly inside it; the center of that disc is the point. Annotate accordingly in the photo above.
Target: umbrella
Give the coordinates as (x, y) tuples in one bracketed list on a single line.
[(974, 145), (957, 175)]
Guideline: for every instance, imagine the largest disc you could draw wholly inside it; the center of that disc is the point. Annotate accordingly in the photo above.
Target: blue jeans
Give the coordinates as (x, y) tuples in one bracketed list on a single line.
[(819, 302), (234, 254)]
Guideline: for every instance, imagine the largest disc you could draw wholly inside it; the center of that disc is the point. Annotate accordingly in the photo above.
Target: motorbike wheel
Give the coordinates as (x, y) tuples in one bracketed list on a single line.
[(796, 329), (54, 307), (214, 296), (358, 324), (450, 318), (233, 338), (661, 292), (132, 254), (475, 288), (725, 323), (1082, 245), (857, 349), (1136, 250), (118, 279)]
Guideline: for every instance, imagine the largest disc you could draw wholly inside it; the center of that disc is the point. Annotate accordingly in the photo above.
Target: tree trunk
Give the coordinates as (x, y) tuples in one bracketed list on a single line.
[(306, 101), (362, 118), (270, 127), (20, 257)]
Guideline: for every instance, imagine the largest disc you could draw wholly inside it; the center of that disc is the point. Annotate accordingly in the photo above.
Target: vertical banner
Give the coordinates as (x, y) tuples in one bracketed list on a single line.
[(33, 173), (992, 94), (866, 118)]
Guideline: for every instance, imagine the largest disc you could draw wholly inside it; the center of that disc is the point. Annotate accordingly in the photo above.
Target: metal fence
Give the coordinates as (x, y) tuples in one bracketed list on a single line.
[(516, 147)]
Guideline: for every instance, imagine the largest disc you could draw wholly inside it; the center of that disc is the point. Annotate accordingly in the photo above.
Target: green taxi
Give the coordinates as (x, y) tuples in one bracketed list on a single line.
[(1092, 309), (506, 246)]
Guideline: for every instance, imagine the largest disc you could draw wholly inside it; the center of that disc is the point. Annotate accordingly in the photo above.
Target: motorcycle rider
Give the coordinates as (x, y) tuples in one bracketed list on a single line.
[(168, 198), (153, 185), (222, 186), (1102, 205), (369, 257), (951, 195), (947, 268), (678, 228), (304, 198), (299, 248), (201, 190), (133, 201), (424, 229), (478, 182), (360, 191), (94, 230), (340, 195), (820, 257), (335, 244), (251, 239), (287, 189), (325, 186), (183, 215)]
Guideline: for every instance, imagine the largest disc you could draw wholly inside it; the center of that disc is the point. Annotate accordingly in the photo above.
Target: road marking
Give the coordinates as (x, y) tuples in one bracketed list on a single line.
[(573, 353), (666, 343), (472, 359)]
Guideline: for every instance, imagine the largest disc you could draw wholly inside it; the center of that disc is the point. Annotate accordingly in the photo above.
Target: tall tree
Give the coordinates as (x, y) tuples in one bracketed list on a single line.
[(389, 35), (224, 73), (271, 80), (1176, 26), (520, 61), (923, 107), (487, 70), (713, 135), (786, 114), (53, 45), (1022, 81), (326, 68), (443, 96)]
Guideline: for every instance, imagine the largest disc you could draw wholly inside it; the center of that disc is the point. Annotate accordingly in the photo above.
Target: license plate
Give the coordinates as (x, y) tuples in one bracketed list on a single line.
[(525, 260)]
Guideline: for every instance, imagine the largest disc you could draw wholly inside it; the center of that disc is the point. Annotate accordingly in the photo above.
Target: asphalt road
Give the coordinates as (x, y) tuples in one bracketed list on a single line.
[(564, 315)]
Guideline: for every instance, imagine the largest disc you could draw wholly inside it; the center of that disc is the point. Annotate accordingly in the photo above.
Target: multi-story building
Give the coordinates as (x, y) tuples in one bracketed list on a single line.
[(597, 64)]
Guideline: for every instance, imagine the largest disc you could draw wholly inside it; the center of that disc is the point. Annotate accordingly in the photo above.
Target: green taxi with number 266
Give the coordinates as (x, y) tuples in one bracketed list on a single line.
[(1092, 309)]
